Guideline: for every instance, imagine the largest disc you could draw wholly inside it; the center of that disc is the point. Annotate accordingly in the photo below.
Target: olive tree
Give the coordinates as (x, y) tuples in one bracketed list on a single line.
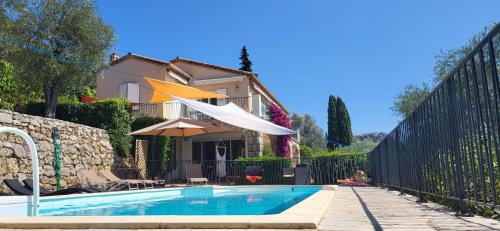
[(58, 44)]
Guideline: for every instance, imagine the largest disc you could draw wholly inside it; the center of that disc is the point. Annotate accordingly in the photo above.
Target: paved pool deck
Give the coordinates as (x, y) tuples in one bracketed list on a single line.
[(373, 208)]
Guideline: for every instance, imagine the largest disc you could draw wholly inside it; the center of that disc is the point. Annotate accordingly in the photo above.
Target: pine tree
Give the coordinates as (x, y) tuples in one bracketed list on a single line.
[(344, 123), (246, 64), (332, 135)]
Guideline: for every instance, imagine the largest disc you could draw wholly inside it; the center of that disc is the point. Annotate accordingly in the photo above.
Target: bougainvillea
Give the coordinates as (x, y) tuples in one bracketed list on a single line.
[(280, 118)]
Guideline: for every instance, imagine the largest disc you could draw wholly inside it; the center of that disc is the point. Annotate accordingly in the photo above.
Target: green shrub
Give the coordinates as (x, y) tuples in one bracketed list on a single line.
[(161, 143), (112, 115), (267, 151), (8, 85)]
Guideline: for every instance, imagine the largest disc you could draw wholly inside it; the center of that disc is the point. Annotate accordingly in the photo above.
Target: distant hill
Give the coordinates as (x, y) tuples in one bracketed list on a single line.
[(366, 142), (374, 137)]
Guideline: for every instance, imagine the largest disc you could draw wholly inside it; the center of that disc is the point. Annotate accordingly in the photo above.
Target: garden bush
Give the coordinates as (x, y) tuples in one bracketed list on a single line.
[(112, 115), (157, 144)]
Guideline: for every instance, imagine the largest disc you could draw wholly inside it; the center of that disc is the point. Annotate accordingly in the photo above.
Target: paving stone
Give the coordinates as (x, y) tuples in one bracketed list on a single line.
[(376, 209)]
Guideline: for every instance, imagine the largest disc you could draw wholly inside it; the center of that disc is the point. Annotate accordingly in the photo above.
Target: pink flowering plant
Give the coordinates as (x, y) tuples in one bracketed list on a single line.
[(279, 117)]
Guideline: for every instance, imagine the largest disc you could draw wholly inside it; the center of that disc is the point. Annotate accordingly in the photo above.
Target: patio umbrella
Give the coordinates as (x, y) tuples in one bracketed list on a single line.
[(182, 127)]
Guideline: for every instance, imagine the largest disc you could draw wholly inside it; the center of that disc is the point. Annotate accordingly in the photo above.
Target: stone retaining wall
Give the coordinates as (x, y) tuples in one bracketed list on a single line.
[(82, 147)]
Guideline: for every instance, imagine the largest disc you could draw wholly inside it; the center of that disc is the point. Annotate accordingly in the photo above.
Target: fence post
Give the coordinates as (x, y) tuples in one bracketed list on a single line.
[(453, 148), (417, 154), (397, 159)]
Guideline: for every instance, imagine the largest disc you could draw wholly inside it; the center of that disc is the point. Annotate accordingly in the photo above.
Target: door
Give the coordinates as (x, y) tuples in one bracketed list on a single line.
[(208, 159)]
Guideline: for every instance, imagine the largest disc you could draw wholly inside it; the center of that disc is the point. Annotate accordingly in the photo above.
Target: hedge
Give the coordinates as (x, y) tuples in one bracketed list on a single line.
[(112, 115)]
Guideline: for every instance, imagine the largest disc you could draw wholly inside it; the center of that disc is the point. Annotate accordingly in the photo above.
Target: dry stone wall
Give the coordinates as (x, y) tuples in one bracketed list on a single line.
[(82, 147)]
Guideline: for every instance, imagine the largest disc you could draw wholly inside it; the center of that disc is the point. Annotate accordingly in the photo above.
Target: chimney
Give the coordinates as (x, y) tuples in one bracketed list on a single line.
[(113, 57)]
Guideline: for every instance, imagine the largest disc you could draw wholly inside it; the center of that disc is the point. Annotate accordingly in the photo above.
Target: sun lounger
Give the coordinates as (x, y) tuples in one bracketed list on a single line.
[(112, 177), (97, 181), (28, 183), (288, 175), (194, 174), (19, 189)]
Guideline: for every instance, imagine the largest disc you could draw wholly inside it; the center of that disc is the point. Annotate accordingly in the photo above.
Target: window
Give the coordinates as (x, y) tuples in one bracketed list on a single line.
[(130, 91), (264, 110)]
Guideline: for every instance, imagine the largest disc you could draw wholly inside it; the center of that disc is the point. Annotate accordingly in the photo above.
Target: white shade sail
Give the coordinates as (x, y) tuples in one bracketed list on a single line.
[(234, 115)]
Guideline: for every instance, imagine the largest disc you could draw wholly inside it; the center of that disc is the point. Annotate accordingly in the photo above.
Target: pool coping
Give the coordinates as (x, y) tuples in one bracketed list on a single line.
[(304, 215)]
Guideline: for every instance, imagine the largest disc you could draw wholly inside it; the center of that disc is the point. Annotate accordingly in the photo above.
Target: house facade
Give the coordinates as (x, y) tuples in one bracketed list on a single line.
[(124, 77)]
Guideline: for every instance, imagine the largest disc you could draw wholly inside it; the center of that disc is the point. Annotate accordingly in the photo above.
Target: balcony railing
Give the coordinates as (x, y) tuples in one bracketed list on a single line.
[(175, 109)]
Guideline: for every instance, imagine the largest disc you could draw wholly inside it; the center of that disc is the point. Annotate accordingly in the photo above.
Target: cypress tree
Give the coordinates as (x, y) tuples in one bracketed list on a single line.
[(332, 134), (344, 123), (246, 64)]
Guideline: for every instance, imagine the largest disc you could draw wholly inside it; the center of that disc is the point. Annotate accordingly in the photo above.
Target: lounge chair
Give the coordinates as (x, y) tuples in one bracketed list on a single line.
[(96, 181), (302, 175), (194, 174), (28, 183), (18, 188), (253, 174), (288, 175), (112, 177)]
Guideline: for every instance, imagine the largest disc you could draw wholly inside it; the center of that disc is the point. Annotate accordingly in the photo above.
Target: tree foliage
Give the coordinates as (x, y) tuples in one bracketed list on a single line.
[(344, 123), (245, 64), (448, 60), (409, 99), (445, 62), (65, 42), (333, 133), (9, 88), (339, 124), (311, 134)]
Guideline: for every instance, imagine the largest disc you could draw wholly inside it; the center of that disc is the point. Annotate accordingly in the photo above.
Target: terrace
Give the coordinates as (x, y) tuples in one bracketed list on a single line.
[(175, 109)]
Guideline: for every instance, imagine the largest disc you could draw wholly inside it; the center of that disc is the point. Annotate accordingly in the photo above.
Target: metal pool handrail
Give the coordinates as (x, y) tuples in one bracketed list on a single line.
[(35, 200)]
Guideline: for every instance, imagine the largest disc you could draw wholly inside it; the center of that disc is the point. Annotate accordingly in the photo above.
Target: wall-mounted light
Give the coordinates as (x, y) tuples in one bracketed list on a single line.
[(236, 87)]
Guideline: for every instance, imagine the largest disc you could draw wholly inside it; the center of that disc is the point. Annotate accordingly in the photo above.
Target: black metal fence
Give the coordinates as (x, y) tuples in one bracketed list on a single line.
[(324, 170), (232, 171), (449, 146), (329, 169)]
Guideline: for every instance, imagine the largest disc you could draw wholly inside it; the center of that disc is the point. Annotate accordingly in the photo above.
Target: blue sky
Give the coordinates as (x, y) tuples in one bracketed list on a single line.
[(362, 51)]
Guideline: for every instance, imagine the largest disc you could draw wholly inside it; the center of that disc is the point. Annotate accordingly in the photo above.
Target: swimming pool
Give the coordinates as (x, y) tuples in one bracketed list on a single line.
[(236, 200)]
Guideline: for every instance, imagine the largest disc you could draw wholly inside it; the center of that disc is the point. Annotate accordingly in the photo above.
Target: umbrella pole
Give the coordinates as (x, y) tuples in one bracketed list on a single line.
[(174, 152)]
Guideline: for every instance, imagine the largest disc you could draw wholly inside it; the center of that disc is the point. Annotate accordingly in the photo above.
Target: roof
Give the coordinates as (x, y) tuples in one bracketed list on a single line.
[(253, 77), (169, 65)]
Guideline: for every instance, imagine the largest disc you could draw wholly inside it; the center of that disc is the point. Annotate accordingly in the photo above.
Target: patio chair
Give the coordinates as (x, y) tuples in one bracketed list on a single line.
[(112, 177), (253, 174), (194, 174), (96, 181), (28, 183), (302, 175)]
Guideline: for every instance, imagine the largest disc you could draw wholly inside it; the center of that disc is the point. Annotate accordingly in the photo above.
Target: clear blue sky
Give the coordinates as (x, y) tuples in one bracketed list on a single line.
[(362, 51)]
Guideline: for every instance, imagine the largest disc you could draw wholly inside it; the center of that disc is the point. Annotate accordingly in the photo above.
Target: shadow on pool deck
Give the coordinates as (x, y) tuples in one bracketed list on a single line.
[(373, 220)]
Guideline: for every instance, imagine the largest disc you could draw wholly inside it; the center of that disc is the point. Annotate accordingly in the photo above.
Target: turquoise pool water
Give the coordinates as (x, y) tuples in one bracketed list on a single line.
[(244, 200)]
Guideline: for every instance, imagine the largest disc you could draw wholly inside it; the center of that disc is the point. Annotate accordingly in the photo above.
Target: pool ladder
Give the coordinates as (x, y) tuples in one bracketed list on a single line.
[(35, 199)]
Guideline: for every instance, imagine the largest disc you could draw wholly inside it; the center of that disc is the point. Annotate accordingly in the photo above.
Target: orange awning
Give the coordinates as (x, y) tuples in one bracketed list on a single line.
[(162, 90)]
